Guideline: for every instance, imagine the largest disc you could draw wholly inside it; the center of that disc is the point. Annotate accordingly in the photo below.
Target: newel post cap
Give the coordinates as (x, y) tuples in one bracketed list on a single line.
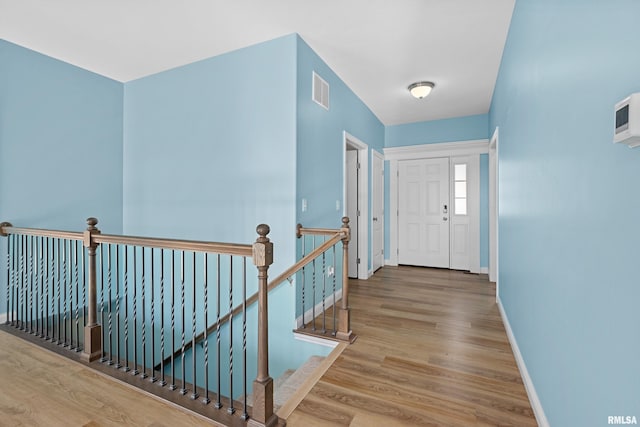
[(346, 228), (89, 232), (263, 248), (2, 226)]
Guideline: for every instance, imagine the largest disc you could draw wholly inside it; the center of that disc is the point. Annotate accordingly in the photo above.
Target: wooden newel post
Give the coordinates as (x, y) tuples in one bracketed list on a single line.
[(263, 414), (344, 320), (92, 331)]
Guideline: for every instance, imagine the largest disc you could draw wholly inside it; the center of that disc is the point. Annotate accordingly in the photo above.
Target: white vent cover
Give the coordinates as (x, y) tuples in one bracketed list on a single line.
[(320, 92)]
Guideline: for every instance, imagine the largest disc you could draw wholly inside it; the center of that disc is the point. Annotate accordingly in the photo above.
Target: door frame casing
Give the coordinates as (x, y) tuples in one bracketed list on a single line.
[(380, 220), (424, 151), (363, 199), (493, 210)]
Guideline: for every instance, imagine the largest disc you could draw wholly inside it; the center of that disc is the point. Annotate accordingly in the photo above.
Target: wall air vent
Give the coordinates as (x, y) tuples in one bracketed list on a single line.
[(320, 91)]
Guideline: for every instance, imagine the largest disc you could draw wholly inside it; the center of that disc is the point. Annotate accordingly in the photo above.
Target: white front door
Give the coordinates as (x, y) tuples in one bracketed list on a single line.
[(377, 174), (352, 209), (423, 212)]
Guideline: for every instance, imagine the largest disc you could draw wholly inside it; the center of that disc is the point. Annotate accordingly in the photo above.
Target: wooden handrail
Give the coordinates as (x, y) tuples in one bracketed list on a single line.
[(149, 242), (175, 244), (6, 229), (339, 235)]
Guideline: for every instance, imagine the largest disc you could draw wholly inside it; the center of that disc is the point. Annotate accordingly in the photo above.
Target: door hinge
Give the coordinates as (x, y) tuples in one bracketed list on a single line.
[(357, 260), (382, 252), (358, 165), (357, 213)]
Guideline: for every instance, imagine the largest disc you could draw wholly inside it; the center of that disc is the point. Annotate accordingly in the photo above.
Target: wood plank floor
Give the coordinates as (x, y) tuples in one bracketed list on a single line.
[(431, 351), (41, 388)]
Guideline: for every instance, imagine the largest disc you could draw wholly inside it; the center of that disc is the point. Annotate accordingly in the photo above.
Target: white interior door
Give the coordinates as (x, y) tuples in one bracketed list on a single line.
[(377, 174), (352, 209), (423, 212)]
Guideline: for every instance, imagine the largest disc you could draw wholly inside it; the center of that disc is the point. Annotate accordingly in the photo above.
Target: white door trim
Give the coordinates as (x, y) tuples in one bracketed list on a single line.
[(493, 210), (363, 199), (424, 151), (442, 149)]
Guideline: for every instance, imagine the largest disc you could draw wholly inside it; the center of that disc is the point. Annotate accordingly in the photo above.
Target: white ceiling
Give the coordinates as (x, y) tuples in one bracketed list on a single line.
[(377, 47)]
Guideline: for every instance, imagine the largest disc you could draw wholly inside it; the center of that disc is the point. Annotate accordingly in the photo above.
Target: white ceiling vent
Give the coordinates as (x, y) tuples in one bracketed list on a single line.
[(320, 92)]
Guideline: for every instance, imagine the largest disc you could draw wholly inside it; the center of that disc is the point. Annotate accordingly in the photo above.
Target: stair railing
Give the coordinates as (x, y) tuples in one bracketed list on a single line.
[(55, 289), (323, 297)]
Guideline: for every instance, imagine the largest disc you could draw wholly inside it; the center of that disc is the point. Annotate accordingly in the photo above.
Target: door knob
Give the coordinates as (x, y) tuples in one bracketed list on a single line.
[(375, 219), (444, 218)]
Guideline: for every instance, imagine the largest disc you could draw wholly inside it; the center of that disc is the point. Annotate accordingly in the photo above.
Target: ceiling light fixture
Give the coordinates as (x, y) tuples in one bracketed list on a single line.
[(420, 89)]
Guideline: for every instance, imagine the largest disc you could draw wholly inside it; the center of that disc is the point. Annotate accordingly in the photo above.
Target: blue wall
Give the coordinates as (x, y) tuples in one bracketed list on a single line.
[(320, 142), (569, 205), (445, 130), (320, 159), (208, 156), (60, 145), (436, 131)]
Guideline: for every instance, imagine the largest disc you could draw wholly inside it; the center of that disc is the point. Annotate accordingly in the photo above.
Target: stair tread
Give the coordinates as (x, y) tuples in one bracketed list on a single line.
[(289, 387)]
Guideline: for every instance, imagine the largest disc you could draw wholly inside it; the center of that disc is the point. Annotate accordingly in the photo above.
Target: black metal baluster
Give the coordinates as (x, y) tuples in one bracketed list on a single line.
[(52, 272), (304, 324), (42, 280), (102, 322), (125, 303), (183, 390), (59, 290), (206, 400), (20, 295), (31, 280), (45, 303), (173, 321), (44, 293), (313, 288), (65, 299), (9, 277), (76, 273), (110, 304), (245, 414), (135, 371), (335, 302), (162, 381), (324, 291), (153, 322), (11, 284), (125, 261), (69, 300), (83, 251), (194, 394), (231, 409), (218, 404), (143, 320)]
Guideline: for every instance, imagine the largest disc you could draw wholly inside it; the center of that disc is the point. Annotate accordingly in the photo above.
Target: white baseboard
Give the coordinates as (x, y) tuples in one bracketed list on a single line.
[(390, 263), (328, 302), (484, 270), (315, 340), (528, 383)]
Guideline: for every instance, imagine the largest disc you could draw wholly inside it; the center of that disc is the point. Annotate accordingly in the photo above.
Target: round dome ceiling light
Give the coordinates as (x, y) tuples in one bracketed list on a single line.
[(420, 89)]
